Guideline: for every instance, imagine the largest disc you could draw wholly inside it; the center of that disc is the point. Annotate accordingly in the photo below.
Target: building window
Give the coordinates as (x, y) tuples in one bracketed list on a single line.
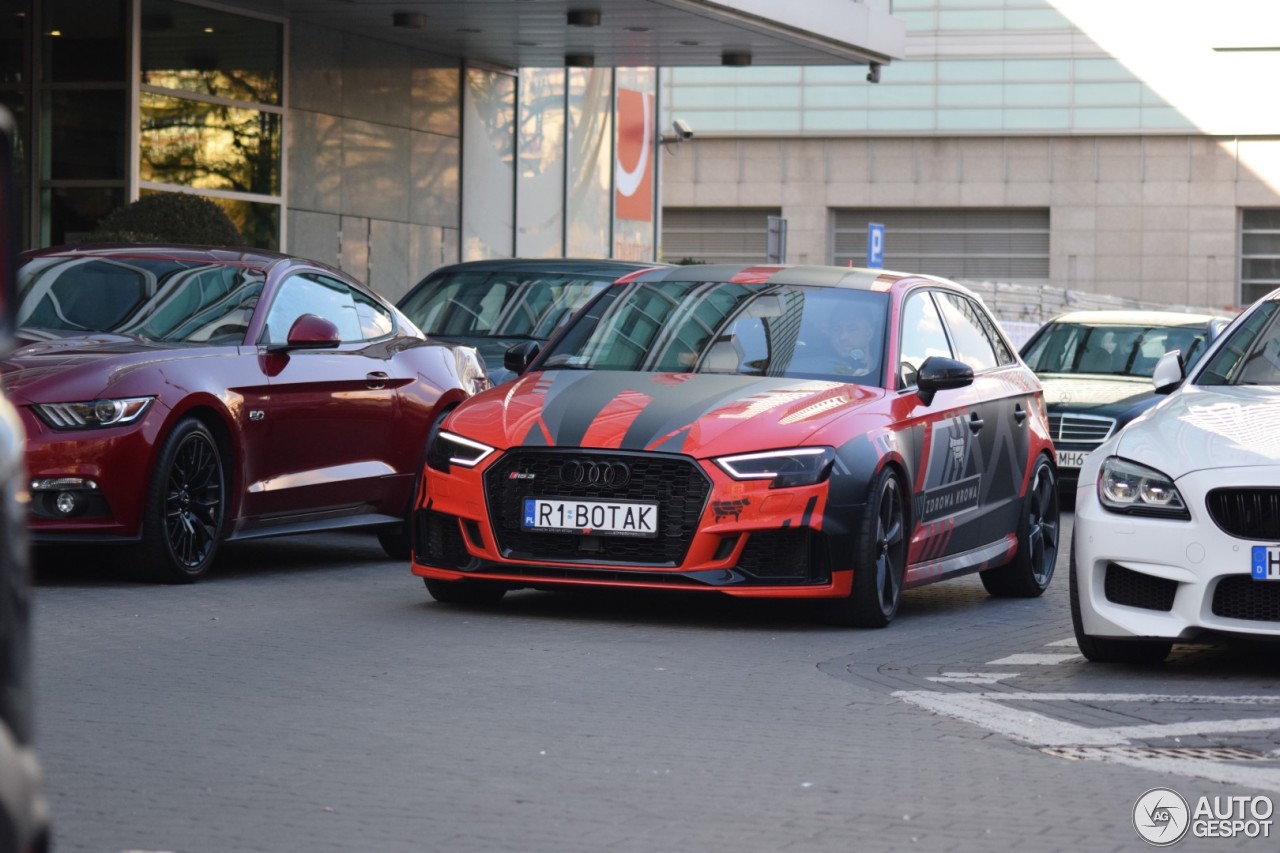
[(79, 107), (716, 235), (211, 112), (1259, 254), (975, 244)]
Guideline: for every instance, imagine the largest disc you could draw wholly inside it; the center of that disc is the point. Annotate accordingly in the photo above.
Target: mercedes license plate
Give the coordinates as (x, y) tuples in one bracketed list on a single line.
[(1071, 458), (1266, 562), (604, 518)]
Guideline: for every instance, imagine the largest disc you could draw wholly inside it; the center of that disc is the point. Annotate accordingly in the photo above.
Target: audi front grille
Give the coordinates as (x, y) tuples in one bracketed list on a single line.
[(676, 483)]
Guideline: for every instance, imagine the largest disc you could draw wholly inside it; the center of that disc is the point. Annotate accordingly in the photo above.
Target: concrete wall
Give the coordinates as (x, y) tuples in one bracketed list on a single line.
[(373, 158), (1151, 218)]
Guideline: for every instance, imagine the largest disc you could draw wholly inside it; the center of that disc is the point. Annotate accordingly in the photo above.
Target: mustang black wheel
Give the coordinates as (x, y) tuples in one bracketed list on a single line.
[(880, 559), (1139, 650), (1029, 572), (465, 591), (182, 519)]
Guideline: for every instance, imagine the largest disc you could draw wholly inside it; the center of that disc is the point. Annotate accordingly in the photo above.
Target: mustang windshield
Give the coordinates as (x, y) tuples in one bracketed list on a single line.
[(494, 304), (720, 327), (1111, 349), (158, 299)]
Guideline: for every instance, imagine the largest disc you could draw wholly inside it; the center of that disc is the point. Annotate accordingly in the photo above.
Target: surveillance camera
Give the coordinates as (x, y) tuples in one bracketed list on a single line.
[(873, 76), (682, 129)]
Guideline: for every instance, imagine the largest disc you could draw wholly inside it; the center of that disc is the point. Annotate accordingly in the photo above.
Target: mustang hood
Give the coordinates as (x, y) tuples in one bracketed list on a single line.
[(1202, 427), (77, 367), (698, 414)]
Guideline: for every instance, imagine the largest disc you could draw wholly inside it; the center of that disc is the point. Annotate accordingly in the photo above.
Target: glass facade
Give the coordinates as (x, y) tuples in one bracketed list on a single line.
[(590, 160), (635, 164), (488, 164), (78, 107), (540, 191), (117, 99), (211, 119)]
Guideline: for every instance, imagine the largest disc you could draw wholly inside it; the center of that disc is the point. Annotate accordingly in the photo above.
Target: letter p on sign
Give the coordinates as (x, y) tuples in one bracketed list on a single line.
[(875, 245)]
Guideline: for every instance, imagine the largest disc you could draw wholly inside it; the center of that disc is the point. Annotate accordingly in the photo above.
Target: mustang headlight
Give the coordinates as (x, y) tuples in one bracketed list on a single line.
[(1128, 487), (449, 449), (798, 466), (93, 413)]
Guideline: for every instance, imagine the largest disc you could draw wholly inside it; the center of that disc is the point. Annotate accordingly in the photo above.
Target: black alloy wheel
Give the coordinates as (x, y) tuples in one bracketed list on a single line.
[(880, 559), (1028, 574), (183, 517)]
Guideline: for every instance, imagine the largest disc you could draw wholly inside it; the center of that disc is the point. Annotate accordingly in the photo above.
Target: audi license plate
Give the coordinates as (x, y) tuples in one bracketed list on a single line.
[(605, 518), (1266, 562), (1071, 458)]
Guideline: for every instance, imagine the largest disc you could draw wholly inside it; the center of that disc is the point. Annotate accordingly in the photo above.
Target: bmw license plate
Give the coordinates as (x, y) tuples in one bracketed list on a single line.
[(604, 518), (1071, 458), (1266, 562)]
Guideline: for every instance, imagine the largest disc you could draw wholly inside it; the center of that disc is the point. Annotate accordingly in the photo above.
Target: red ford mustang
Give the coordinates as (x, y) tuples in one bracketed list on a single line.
[(174, 397), (799, 432)]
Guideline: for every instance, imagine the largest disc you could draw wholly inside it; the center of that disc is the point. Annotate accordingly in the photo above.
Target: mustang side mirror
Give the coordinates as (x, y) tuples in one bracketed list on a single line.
[(1168, 373), (309, 332), (518, 358), (940, 374)]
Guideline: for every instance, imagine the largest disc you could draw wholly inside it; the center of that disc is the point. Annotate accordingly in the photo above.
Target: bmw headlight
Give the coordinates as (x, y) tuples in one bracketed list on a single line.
[(1128, 487), (448, 449), (798, 466), (93, 413)]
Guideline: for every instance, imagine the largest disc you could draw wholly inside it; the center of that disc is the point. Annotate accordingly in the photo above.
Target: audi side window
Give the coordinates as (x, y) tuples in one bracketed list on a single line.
[(922, 337), (972, 344)]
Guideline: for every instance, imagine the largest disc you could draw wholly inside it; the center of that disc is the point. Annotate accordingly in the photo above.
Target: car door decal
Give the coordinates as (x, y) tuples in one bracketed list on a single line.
[(949, 488)]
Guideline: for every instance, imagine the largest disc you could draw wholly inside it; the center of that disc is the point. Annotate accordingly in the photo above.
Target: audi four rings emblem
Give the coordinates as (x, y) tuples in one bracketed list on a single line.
[(612, 475)]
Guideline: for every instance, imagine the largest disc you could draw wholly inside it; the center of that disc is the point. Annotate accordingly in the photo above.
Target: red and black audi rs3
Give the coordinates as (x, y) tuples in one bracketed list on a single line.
[(787, 432)]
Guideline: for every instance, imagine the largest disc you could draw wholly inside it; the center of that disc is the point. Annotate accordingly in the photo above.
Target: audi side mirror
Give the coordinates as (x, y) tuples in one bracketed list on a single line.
[(518, 358), (941, 374)]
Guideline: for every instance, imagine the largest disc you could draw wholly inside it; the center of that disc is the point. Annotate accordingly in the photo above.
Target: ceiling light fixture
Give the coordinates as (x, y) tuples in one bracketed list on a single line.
[(409, 20)]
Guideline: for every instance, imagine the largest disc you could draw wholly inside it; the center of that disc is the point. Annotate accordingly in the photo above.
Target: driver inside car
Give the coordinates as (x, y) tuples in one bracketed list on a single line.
[(849, 342)]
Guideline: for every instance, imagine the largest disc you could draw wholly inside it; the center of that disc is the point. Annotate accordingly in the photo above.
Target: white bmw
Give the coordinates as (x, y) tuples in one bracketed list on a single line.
[(1177, 524)]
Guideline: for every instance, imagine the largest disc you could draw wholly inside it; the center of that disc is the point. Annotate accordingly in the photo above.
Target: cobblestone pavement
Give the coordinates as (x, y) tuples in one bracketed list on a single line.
[(310, 696)]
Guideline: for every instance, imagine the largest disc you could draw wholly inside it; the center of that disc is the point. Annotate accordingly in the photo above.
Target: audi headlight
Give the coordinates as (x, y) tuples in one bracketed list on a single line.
[(798, 466), (449, 449), (93, 413), (1128, 487)]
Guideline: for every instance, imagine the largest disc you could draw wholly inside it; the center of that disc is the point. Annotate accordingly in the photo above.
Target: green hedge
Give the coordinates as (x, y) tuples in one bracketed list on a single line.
[(169, 218)]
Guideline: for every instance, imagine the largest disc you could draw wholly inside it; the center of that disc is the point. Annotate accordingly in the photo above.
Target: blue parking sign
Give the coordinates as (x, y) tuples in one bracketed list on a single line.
[(875, 245)]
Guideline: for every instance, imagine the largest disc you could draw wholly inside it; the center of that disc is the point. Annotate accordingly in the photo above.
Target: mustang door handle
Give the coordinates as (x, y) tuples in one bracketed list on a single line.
[(1019, 414), (975, 423), (376, 380)]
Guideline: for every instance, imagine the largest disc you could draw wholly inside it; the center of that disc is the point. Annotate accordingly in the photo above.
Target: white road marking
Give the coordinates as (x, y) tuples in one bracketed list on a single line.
[(994, 712), (971, 677), (1069, 642), (1035, 659)]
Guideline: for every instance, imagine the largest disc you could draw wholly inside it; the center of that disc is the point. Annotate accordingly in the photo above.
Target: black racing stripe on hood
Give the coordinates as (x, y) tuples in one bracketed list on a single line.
[(676, 407), (575, 399)]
